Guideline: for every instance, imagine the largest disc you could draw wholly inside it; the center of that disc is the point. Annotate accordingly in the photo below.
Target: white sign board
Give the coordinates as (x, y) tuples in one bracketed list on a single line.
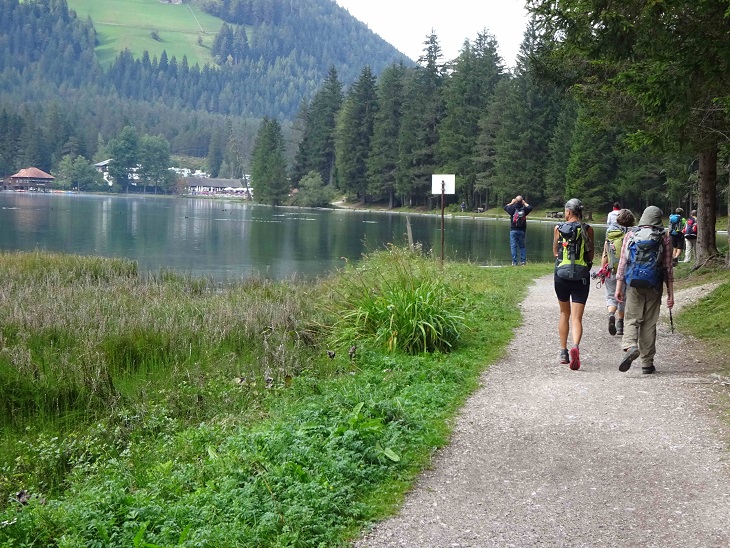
[(448, 182)]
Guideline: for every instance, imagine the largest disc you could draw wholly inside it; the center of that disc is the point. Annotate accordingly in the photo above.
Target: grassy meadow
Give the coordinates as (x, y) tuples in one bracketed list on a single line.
[(130, 23), (165, 410)]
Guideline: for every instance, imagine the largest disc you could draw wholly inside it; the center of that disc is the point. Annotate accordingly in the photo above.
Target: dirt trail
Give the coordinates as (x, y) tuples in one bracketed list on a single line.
[(545, 456)]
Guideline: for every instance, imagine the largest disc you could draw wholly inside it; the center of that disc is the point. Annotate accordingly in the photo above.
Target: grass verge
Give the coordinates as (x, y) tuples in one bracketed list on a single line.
[(708, 320), (221, 419)]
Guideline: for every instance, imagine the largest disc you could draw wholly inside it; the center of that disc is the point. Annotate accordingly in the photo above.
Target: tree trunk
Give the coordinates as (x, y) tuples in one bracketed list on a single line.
[(727, 255), (706, 202)]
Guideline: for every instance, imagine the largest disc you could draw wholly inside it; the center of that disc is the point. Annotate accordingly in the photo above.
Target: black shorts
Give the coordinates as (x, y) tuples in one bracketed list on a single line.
[(572, 290), (677, 241)]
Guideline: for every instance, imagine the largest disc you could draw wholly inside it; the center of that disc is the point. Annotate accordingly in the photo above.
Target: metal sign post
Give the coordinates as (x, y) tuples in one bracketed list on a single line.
[(443, 184)]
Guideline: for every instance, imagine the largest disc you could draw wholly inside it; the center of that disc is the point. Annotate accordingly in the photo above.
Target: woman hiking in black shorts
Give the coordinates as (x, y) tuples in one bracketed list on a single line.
[(573, 250)]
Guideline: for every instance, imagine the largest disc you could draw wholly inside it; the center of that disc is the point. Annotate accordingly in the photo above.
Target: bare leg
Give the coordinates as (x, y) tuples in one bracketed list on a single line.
[(577, 322), (564, 323)]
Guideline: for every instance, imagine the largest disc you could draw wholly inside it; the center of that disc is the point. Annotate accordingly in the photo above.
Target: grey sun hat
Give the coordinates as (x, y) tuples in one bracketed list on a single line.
[(652, 216)]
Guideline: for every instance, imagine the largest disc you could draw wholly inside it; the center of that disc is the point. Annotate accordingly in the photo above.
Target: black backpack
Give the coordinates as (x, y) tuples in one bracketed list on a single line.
[(519, 219)]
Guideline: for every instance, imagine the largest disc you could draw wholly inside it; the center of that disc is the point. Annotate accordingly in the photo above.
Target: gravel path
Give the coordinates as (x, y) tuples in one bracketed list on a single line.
[(545, 456)]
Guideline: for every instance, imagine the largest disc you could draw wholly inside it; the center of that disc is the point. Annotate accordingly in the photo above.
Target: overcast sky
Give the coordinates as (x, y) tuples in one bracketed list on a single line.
[(407, 23)]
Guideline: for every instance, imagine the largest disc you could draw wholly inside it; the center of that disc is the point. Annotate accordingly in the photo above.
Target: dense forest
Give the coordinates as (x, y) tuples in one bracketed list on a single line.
[(50, 76), (615, 104)]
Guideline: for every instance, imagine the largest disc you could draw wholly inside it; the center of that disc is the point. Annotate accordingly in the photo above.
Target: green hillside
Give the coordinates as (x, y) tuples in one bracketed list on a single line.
[(131, 23)]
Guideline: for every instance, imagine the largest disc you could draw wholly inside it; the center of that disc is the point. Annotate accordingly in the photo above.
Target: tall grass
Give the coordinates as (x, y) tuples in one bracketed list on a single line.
[(79, 333), (222, 420), (402, 300), (84, 338)]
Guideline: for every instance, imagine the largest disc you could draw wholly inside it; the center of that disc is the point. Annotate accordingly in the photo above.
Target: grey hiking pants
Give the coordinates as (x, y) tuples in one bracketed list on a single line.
[(640, 319)]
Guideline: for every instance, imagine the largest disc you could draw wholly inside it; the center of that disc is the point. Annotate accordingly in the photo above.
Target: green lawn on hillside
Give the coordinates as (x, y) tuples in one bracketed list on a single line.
[(129, 24)]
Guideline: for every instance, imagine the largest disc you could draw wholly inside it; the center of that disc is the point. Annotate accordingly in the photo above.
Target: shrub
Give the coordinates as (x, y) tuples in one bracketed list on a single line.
[(403, 301)]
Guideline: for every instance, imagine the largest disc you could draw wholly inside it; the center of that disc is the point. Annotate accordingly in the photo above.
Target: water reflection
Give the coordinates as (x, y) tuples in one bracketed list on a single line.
[(229, 240)]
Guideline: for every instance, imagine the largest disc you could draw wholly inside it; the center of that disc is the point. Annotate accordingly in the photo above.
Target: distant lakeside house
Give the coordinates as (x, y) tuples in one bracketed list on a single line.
[(30, 178), (207, 186)]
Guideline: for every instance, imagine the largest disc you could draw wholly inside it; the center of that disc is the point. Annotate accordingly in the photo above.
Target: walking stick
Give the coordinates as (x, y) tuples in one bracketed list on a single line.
[(671, 320)]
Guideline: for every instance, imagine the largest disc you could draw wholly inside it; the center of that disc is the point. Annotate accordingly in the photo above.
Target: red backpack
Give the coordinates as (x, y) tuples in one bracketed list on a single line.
[(690, 228), (518, 218)]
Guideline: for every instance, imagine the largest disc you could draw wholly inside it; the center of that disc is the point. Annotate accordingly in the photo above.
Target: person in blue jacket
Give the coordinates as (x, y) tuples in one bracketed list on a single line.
[(518, 209)]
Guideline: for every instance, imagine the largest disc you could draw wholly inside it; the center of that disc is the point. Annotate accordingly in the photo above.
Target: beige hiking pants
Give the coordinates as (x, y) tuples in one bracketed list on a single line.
[(640, 319)]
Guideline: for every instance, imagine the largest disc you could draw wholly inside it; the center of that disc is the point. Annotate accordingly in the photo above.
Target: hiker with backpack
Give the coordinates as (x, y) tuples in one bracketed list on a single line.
[(690, 235), (609, 262), (573, 250), (518, 209), (645, 265), (676, 232)]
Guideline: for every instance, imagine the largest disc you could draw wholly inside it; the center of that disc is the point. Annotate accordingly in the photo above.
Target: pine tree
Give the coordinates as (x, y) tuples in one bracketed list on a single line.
[(559, 148), (354, 134), (491, 122), (383, 157), (418, 140), (593, 162), (268, 164), (532, 109), (468, 90), (215, 153), (317, 147)]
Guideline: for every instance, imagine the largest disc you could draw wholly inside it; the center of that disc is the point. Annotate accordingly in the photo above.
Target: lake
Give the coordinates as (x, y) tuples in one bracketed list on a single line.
[(228, 240)]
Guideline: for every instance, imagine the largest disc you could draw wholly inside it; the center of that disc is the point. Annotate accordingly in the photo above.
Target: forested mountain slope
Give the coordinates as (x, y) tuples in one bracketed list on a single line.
[(50, 68)]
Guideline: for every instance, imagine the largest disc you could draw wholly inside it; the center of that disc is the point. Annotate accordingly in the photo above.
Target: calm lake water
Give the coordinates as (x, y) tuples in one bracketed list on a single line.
[(229, 240)]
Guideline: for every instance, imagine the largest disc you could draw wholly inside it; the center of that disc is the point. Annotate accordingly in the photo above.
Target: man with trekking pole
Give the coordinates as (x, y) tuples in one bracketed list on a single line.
[(645, 265)]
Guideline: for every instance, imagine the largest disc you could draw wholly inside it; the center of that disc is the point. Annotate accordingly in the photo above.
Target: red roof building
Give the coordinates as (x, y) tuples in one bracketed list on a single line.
[(30, 177)]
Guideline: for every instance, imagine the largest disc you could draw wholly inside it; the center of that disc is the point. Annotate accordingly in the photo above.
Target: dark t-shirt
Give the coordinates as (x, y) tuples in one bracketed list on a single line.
[(510, 209)]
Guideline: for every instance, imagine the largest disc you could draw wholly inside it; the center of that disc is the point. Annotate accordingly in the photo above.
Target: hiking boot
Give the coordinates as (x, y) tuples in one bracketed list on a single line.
[(619, 327), (648, 369), (574, 359), (631, 354), (612, 324), (564, 357)]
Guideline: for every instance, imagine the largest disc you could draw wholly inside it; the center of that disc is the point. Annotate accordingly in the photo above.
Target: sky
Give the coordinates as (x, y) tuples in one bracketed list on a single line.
[(406, 23)]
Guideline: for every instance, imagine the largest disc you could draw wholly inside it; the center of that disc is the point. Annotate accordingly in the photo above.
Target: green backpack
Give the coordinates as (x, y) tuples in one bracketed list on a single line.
[(572, 262), (614, 239)]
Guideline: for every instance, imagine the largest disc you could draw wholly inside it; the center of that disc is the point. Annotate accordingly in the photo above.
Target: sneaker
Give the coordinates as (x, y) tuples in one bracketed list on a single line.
[(619, 327), (574, 359), (631, 354), (523, 264), (648, 369), (564, 357), (612, 324)]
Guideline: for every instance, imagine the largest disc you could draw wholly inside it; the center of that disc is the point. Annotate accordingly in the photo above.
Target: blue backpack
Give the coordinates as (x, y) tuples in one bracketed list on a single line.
[(645, 264), (675, 224)]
